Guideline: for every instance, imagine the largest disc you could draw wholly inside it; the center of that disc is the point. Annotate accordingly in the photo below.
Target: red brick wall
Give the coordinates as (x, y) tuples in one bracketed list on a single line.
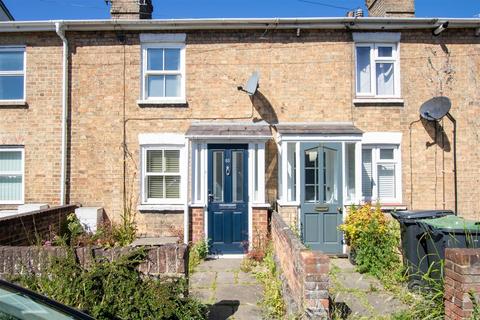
[(28, 228), (196, 225), (462, 275), (163, 260), (304, 272), (259, 226)]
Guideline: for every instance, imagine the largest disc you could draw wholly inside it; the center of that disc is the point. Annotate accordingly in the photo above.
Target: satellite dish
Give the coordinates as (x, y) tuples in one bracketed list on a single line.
[(435, 108), (252, 84)]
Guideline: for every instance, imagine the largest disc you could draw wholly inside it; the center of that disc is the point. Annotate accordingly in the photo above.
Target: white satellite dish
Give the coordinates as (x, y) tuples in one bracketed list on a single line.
[(252, 84)]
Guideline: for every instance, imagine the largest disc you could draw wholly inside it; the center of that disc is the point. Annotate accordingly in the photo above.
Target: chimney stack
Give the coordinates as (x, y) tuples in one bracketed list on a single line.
[(131, 9), (391, 8)]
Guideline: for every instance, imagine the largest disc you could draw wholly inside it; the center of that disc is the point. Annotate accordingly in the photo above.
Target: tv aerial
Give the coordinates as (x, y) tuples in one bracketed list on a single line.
[(252, 84), (434, 110)]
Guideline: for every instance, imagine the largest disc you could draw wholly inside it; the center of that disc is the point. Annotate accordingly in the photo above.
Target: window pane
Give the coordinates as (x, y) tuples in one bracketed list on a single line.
[(385, 79), (386, 181), (350, 170), (386, 154), (155, 161), (172, 161), (172, 86), (218, 176), (10, 161), (291, 171), (237, 176), (363, 70), (172, 59), (155, 187), (385, 52), (367, 181), (154, 59), (11, 61), (330, 178), (172, 187), (155, 86), (310, 193), (11, 87), (11, 188)]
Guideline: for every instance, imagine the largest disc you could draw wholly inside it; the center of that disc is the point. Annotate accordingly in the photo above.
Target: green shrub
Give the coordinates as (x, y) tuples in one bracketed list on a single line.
[(374, 240), (198, 253), (114, 290)]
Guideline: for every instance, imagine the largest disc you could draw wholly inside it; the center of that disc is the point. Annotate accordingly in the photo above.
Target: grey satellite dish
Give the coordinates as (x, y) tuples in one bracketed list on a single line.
[(435, 108), (252, 84)]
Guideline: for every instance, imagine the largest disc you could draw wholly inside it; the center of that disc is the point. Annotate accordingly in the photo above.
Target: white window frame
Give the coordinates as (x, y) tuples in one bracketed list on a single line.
[(144, 195), (374, 58), (16, 73), (145, 73), (376, 161), (16, 173)]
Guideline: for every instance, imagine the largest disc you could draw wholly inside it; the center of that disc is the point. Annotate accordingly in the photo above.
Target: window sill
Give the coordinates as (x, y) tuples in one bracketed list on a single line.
[(160, 207), (397, 102), (288, 203), (180, 102), (196, 205), (261, 205), (13, 103)]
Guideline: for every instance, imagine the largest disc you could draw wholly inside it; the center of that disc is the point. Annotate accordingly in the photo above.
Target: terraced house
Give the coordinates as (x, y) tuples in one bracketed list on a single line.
[(147, 114)]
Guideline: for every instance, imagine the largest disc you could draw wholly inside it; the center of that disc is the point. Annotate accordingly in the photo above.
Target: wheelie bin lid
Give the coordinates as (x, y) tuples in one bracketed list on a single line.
[(420, 214), (453, 223)]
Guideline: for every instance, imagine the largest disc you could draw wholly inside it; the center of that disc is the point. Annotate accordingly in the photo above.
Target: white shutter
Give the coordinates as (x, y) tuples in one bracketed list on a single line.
[(367, 182), (386, 180)]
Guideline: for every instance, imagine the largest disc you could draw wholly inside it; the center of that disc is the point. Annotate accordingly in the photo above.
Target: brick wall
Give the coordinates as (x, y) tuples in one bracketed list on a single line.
[(304, 273), (320, 64), (197, 225), (162, 260), (260, 226), (28, 228), (391, 8), (462, 275)]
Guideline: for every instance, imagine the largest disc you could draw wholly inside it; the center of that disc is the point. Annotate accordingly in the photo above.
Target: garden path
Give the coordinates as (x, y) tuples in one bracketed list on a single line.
[(229, 292), (360, 296)]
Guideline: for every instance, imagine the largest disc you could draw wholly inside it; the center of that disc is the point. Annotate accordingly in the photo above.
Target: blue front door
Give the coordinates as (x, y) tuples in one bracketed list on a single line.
[(227, 198)]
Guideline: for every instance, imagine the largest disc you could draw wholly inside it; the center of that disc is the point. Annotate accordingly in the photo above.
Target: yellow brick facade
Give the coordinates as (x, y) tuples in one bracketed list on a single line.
[(309, 78)]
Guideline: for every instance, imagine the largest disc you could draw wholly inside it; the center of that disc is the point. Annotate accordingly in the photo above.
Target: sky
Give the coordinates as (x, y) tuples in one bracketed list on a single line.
[(167, 9)]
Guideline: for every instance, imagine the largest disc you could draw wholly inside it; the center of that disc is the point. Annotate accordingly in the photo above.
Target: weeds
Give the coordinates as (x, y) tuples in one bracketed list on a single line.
[(113, 290), (266, 273), (198, 253)]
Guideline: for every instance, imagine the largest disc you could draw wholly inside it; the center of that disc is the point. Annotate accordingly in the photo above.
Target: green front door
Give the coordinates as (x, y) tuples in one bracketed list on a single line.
[(321, 195)]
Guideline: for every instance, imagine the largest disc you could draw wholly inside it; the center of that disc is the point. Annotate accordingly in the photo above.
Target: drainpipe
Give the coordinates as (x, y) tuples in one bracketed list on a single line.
[(59, 28)]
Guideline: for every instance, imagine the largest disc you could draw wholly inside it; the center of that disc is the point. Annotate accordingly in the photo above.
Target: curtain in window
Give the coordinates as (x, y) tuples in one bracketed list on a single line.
[(10, 176), (367, 181), (386, 180), (385, 79), (363, 70)]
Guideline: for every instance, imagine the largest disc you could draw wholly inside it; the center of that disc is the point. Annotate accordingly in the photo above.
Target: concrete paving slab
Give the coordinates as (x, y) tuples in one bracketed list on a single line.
[(203, 295), (246, 294), (221, 264), (202, 279), (246, 278), (226, 277)]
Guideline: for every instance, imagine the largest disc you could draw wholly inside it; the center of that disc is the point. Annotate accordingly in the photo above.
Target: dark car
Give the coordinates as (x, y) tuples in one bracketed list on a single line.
[(17, 303)]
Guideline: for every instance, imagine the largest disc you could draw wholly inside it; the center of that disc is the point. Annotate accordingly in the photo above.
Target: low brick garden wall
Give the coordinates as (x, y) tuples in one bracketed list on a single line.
[(304, 273), (169, 260), (462, 275), (27, 228)]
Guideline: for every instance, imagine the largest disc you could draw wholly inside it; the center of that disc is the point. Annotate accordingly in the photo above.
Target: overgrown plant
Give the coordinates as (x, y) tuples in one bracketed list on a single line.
[(113, 290), (373, 238), (267, 274), (198, 253)]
